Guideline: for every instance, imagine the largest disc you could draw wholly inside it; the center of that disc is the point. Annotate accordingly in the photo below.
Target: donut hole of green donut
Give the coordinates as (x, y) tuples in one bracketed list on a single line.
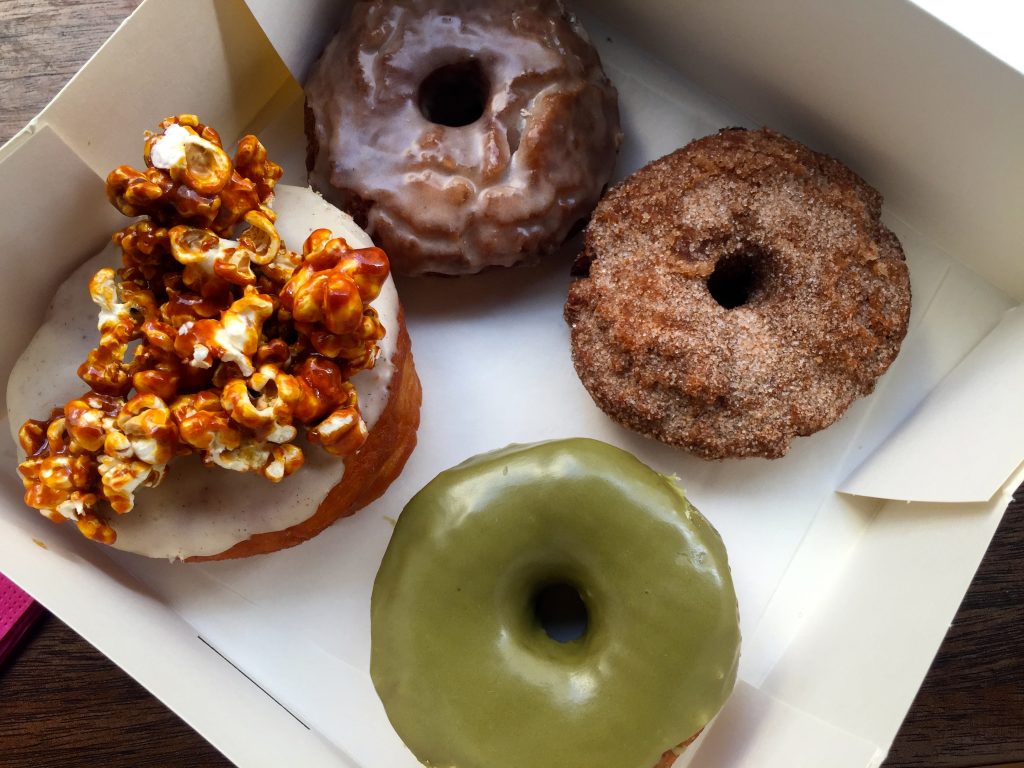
[(455, 94), (561, 612), (738, 277)]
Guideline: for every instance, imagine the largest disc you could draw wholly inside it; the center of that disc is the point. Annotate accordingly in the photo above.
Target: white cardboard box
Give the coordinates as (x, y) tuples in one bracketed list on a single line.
[(850, 555)]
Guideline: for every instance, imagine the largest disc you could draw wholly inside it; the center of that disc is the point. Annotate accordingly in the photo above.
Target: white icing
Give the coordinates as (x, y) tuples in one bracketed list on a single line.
[(200, 510)]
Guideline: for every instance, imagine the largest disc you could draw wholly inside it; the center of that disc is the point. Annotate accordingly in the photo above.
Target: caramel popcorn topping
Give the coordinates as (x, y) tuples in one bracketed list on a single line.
[(214, 338)]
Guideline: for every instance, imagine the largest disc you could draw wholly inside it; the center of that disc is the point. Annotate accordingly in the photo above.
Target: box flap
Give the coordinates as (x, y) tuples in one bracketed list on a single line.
[(63, 223), (777, 736), (886, 616), (81, 586), (964, 440), (225, 73), (300, 31)]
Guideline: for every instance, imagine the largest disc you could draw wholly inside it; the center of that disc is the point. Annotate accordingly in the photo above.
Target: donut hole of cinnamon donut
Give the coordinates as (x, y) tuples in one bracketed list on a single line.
[(455, 94), (738, 277), (561, 612)]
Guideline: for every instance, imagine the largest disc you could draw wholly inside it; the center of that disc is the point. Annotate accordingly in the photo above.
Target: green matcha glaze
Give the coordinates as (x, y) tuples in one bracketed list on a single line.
[(467, 675)]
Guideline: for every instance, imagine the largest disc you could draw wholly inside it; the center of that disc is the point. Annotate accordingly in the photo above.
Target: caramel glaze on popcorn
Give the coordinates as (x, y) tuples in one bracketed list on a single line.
[(209, 345), (813, 296), (462, 134)]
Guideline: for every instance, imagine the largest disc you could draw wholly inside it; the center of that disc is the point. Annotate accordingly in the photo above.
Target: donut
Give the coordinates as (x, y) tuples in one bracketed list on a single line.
[(198, 513), (462, 658), (361, 403), (462, 134), (735, 294)]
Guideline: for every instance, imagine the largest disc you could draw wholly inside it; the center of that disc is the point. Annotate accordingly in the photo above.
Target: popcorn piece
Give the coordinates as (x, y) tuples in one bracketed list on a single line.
[(205, 256), (124, 306), (208, 426), (95, 528), (120, 478), (341, 433), (273, 462), (285, 460), (252, 163), (323, 387), (270, 416), (234, 338), (327, 299), (105, 294), (204, 424), (190, 179), (144, 248), (184, 305), (134, 193), (89, 418), (264, 247), (152, 434), (189, 159), (59, 486)]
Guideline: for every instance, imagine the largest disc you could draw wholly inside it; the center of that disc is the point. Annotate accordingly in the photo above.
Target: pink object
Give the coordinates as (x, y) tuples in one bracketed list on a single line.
[(18, 612)]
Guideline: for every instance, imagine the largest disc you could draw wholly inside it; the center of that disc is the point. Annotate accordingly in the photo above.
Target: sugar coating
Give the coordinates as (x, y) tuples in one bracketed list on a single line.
[(507, 188), (825, 317)]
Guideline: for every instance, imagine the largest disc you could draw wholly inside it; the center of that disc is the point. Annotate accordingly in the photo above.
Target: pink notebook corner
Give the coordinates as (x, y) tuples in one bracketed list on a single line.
[(18, 612)]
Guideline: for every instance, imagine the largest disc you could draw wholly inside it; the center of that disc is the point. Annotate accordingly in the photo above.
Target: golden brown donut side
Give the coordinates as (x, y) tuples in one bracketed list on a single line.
[(828, 303), (367, 474), (669, 758)]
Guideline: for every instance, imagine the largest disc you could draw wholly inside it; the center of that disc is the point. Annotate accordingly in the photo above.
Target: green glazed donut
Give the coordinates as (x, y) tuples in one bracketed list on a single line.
[(467, 673)]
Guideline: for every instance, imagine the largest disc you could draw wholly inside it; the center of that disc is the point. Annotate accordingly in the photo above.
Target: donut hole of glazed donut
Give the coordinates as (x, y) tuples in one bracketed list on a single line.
[(561, 612), (455, 94), (738, 277)]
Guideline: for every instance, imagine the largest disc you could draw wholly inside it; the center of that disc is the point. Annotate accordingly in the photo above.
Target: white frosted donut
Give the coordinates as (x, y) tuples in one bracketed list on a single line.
[(199, 512)]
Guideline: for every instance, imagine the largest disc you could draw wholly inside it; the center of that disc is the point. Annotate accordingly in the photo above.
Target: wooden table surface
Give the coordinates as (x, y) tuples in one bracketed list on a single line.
[(64, 704)]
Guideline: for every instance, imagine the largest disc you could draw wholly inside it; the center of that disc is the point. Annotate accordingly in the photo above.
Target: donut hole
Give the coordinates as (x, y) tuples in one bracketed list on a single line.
[(455, 94), (561, 612), (737, 277)]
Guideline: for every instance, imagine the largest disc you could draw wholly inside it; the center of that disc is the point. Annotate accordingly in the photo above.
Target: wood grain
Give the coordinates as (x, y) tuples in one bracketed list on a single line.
[(42, 44), (64, 704), (970, 709)]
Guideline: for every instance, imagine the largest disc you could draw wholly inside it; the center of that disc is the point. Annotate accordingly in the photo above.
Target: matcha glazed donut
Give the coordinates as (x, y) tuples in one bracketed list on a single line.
[(469, 676)]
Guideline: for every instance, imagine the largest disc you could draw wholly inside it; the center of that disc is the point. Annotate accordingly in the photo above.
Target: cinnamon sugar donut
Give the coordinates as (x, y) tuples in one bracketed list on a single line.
[(462, 134), (735, 294)]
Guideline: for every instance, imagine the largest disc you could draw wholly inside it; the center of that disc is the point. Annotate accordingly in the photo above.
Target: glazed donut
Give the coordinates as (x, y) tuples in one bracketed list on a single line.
[(199, 513), (468, 673), (462, 134), (735, 294)]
